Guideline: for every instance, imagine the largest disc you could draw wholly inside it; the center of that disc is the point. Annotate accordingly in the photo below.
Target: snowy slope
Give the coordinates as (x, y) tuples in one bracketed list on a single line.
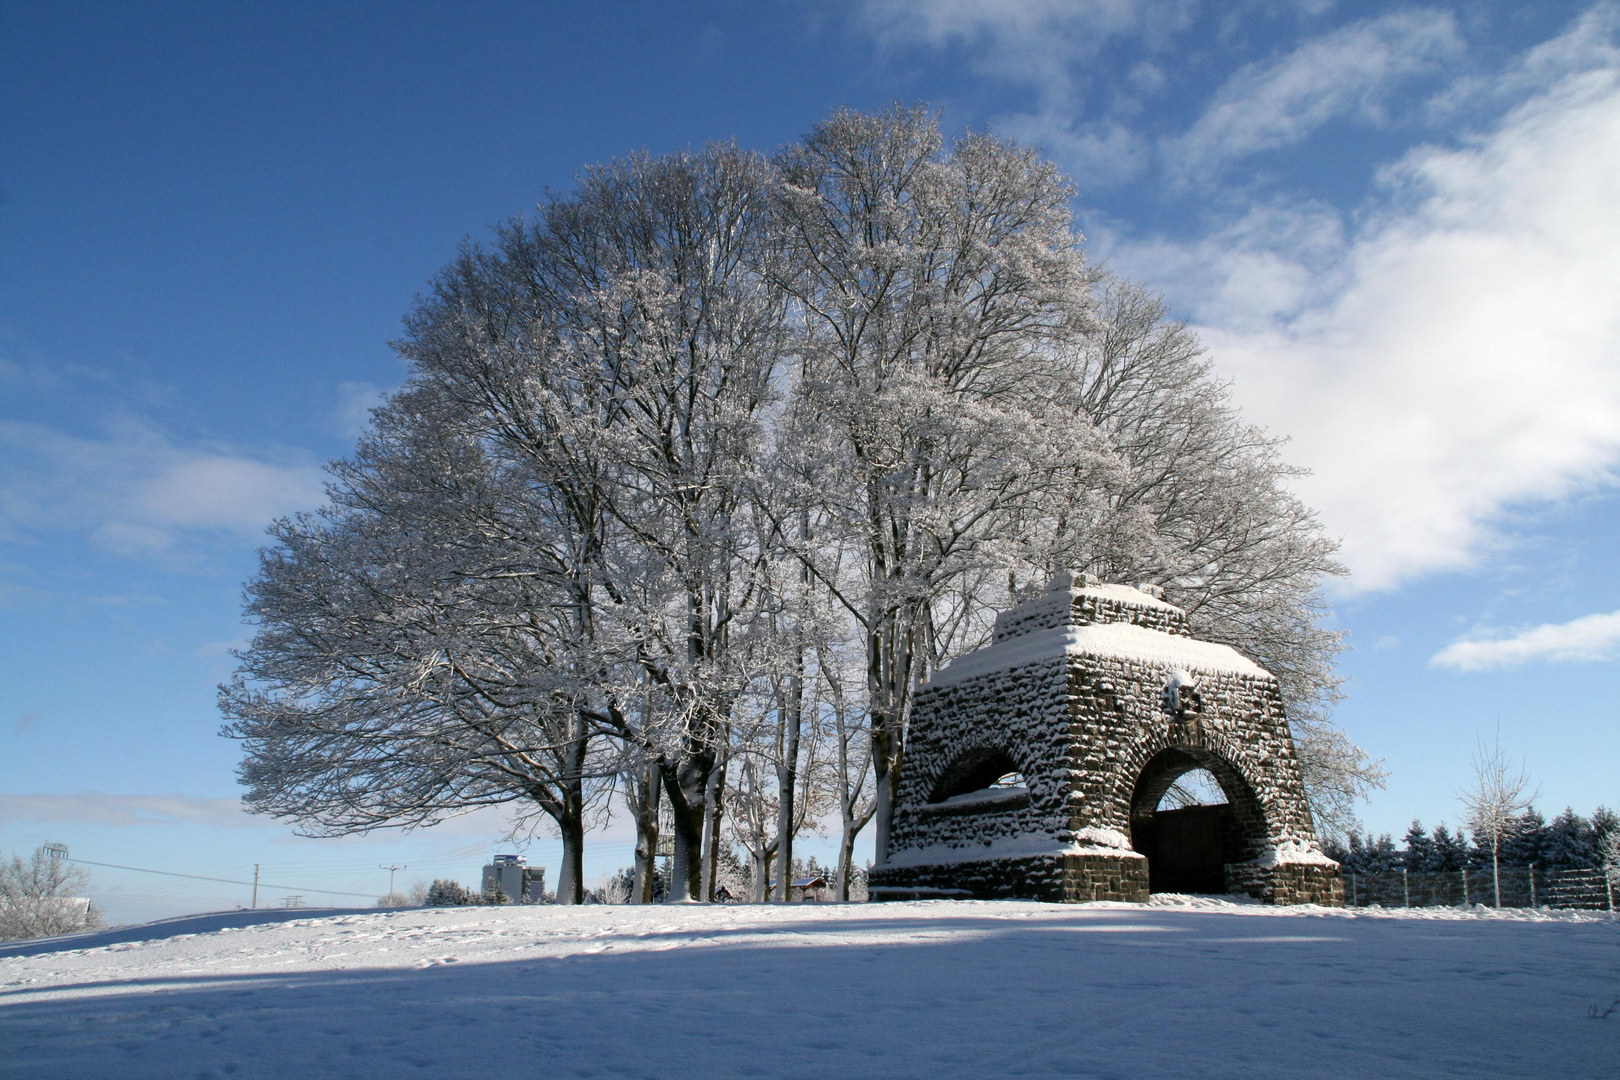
[(928, 990)]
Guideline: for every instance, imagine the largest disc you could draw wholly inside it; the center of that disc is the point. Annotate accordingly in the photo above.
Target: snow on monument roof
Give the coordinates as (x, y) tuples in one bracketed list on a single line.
[(1126, 594), (1118, 641)]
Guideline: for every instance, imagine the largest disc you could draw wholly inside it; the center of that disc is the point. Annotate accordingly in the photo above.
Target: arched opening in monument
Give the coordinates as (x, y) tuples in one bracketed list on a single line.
[(1191, 814), (983, 771)]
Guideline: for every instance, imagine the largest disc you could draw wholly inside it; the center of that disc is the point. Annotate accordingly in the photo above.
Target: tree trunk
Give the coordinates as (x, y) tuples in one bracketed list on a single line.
[(571, 824), (846, 856), (883, 797), (571, 877), (762, 879), (645, 808), (713, 789), (889, 663), (686, 827), (787, 781)]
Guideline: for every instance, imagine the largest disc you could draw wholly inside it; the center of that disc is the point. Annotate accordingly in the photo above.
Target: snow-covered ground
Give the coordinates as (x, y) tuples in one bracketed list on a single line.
[(1199, 988)]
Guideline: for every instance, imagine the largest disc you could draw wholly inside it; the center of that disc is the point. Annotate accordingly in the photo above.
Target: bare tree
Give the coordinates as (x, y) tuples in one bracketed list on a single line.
[(420, 649), (1495, 806), (1609, 850), (37, 897), (782, 784), (656, 274)]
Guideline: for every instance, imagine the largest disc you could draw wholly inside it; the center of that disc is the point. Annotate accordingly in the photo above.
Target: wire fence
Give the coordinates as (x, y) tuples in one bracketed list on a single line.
[(1587, 889)]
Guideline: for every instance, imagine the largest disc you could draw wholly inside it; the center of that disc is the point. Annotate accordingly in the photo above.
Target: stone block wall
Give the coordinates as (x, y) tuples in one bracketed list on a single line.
[(1052, 878), (1023, 713)]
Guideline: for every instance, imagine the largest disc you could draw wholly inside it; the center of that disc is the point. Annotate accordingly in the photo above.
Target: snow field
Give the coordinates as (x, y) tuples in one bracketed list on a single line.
[(1179, 988)]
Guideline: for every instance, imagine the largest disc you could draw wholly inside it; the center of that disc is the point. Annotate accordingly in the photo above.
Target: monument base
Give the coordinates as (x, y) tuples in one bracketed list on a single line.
[(1053, 878), (1074, 879), (1288, 883)]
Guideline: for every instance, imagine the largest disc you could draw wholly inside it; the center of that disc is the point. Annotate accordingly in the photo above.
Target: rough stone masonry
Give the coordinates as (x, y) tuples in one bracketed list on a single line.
[(1035, 766)]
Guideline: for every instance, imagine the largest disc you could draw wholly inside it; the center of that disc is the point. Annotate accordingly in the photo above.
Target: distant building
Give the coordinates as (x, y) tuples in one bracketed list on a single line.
[(519, 883)]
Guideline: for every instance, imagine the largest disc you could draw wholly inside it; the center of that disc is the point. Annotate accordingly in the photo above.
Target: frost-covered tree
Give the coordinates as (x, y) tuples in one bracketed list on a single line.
[(1495, 806), (929, 280), (418, 653), (564, 555), (656, 277), (1609, 852), (1003, 413), (37, 897), (1201, 505), (703, 468)]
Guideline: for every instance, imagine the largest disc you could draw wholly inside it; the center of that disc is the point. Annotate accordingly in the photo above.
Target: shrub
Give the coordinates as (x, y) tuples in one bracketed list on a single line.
[(446, 893)]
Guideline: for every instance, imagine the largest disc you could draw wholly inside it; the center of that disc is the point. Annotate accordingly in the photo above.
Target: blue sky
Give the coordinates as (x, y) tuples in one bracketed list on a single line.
[(1396, 227)]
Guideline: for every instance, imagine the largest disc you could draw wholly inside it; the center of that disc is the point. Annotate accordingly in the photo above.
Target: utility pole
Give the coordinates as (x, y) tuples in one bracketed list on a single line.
[(255, 885), (391, 870)]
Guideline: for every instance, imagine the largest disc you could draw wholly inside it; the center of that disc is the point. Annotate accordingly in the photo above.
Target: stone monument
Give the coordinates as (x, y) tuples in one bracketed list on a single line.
[(1035, 767)]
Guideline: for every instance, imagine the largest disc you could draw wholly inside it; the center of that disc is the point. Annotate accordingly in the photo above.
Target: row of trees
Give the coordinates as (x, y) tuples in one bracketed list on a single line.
[(701, 469), (1567, 842)]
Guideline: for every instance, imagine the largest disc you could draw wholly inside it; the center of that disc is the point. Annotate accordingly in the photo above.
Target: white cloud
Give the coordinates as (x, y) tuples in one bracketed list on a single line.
[(1045, 45), (1049, 47), (1588, 45), (134, 490), (1451, 357), (1033, 42), (101, 808), (1591, 637), (1352, 72), (1103, 154)]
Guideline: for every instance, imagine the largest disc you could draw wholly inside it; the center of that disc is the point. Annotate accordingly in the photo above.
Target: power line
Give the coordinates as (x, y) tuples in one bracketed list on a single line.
[(225, 881)]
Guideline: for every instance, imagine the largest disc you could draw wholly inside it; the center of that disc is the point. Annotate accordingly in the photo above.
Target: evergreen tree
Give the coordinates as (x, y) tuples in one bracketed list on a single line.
[(1450, 849), (1527, 843), (1605, 822), (1384, 858), (1419, 855), (1569, 842), (1371, 856), (446, 893)]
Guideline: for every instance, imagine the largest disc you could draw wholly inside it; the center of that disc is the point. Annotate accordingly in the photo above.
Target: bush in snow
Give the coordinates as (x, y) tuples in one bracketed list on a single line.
[(446, 893), (36, 897)]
